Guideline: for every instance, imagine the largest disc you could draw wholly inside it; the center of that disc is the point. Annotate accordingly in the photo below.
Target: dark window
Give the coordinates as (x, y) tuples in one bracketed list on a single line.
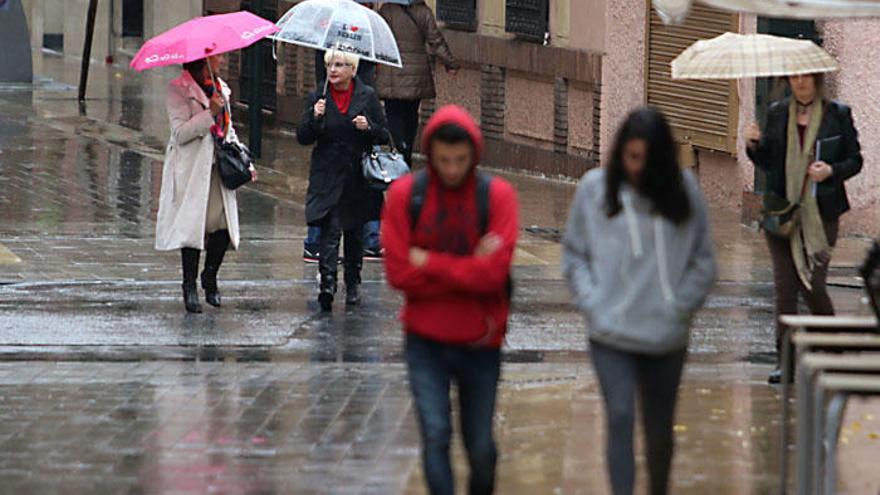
[(528, 19), (458, 14), (133, 18), (263, 51)]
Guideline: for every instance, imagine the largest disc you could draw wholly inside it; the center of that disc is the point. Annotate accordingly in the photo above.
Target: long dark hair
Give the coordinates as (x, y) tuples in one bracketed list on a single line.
[(661, 180), (196, 68)]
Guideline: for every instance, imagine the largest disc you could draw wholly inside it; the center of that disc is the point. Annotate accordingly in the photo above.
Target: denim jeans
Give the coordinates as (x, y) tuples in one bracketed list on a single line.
[(313, 240), (371, 237), (432, 368)]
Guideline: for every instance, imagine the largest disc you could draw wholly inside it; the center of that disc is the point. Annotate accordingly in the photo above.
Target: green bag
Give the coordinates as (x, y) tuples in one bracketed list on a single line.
[(780, 217)]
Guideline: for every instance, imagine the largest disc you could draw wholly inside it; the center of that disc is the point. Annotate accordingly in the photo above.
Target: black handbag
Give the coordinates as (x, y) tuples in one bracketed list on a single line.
[(234, 164), (382, 167)]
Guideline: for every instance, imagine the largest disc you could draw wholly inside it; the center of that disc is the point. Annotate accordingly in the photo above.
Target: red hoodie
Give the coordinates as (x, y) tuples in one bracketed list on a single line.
[(456, 298)]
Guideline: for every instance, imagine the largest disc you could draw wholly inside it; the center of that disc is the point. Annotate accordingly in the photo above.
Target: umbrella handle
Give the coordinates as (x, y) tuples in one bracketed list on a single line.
[(274, 45)]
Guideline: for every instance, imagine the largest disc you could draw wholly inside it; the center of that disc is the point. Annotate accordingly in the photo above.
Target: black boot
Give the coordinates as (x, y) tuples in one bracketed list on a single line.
[(354, 263), (328, 270), (218, 243), (190, 259), (328, 289), (352, 295)]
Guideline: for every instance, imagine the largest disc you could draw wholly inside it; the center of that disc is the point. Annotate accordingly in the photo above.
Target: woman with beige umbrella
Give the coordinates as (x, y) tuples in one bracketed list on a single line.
[(808, 148)]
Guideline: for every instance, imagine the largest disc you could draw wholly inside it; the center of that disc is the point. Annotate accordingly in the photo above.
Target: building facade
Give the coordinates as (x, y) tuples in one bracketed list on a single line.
[(530, 75), (709, 117), (548, 80), (120, 25)]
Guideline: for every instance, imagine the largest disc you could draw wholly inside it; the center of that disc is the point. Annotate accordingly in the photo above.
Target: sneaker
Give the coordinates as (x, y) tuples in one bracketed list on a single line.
[(374, 254), (311, 256)]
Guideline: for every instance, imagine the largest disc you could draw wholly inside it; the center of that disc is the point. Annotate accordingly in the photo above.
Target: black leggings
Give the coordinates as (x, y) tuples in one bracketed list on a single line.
[(353, 253), (656, 379)]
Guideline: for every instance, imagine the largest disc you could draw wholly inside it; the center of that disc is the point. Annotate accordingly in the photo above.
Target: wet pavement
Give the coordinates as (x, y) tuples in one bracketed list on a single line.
[(106, 386)]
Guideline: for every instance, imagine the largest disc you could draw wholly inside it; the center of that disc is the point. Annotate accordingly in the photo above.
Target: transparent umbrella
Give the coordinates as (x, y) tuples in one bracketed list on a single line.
[(340, 25)]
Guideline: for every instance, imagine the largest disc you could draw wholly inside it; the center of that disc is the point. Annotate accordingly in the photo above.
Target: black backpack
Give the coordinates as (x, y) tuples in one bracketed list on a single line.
[(417, 203)]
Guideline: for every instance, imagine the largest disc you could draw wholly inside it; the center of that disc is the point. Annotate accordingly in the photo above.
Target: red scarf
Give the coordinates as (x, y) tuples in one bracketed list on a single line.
[(223, 119), (342, 98)]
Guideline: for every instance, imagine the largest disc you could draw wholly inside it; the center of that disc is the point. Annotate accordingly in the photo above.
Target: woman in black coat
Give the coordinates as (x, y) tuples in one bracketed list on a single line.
[(343, 124), (796, 129)]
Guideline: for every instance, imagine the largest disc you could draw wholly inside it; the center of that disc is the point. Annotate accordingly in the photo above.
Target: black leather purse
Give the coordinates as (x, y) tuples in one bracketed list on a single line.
[(234, 164), (382, 167)]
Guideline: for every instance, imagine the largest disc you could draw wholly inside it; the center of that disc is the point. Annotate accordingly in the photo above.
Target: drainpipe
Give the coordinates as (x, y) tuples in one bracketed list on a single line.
[(111, 34), (87, 49)]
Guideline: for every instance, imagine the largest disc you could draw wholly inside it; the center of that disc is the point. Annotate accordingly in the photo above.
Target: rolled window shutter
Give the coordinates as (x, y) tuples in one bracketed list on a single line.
[(702, 113)]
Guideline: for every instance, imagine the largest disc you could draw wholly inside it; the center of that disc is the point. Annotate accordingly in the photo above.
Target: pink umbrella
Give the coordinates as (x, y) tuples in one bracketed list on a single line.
[(203, 36)]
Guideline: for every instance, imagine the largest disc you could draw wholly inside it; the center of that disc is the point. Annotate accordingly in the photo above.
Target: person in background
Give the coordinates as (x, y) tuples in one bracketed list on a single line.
[(402, 90), (451, 258), (639, 260), (342, 125), (367, 75), (786, 151), (196, 211)]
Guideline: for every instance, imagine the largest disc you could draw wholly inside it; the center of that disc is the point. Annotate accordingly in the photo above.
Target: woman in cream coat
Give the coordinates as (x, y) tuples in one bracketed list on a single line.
[(196, 212)]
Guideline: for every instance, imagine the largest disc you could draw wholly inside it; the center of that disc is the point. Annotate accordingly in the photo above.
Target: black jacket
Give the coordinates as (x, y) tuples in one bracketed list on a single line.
[(769, 155), (336, 177)]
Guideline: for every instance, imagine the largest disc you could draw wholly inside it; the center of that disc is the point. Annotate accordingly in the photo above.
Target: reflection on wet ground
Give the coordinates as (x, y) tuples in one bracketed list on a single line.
[(341, 428), (109, 388)]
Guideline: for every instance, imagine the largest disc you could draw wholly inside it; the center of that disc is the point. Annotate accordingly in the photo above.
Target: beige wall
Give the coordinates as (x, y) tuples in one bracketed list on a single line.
[(69, 17), (33, 9), (529, 113), (854, 44), (75, 27), (161, 15), (53, 15), (491, 14), (560, 22), (587, 24), (623, 67)]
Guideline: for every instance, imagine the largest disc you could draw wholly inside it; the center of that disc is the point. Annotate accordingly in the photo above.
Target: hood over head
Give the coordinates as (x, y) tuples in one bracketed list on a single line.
[(456, 115)]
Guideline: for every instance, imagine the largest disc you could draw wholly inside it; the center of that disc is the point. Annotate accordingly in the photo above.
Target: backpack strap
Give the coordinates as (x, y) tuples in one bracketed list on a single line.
[(484, 183), (417, 197)]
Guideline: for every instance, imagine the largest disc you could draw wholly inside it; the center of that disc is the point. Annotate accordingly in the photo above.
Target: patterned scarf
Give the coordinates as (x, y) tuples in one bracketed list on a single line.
[(809, 243), (222, 120)]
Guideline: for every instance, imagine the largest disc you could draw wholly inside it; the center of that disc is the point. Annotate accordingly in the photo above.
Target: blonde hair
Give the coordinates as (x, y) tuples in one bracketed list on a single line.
[(349, 58)]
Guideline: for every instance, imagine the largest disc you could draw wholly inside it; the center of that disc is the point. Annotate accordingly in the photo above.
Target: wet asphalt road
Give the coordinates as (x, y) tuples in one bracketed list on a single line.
[(106, 386)]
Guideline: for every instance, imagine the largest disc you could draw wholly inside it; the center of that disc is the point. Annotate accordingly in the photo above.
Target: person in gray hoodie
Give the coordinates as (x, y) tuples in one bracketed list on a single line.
[(639, 261)]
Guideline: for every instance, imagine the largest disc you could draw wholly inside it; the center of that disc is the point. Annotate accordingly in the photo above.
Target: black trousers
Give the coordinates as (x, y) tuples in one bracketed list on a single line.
[(353, 257), (787, 284), (403, 122)]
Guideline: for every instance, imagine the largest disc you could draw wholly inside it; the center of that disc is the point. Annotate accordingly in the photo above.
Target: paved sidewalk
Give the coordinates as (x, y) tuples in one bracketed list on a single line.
[(106, 386)]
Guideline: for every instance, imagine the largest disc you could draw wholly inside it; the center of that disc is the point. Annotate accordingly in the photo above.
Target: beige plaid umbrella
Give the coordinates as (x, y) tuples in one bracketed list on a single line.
[(736, 56)]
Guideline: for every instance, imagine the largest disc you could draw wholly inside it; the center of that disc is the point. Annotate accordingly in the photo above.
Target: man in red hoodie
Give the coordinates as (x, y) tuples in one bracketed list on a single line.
[(449, 235)]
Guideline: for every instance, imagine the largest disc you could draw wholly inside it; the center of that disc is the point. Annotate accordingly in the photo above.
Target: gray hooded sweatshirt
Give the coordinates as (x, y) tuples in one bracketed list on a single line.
[(637, 277)]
